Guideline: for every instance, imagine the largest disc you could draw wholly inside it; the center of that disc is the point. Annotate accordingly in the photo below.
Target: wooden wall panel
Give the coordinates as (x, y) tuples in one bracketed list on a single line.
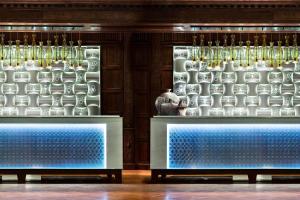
[(112, 79), (128, 119), (141, 64), (141, 101), (143, 129), (141, 80), (141, 56), (112, 102), (166, 78), (128, 147), (112, 57), (142, 156), (166, 54)]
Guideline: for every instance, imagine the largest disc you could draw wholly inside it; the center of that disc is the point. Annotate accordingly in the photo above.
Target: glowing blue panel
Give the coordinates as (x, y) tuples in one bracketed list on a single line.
[(233, 146), (52, 146)]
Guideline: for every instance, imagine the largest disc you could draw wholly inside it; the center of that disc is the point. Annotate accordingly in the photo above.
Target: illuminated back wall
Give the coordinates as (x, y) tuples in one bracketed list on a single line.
[(261, 81), (49, 80)]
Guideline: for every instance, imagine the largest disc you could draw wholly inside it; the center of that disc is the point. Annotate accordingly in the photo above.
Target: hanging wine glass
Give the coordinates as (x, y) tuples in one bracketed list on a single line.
[(56, 49), (217, 54), (33, 50), (194, 49), (256, 49), (41, 54), (271, 54), (64, 49), (72, 54), (2, 48), (25, 49), (286, 50), (10, 53), (79, 53), (210, 55), (264, 50), (248, 53), (241, 53), (201, 49), (233, 53), (225, 54), (49, 54), (279, 53), (295, 49), (18, 53)]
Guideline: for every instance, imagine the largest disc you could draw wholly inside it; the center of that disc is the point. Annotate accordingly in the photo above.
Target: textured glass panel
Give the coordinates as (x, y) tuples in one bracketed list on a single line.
[(52, 146), (180, 89), (21, 77), (44, 77), (69, 88), (57, 76), (80, 111), (180, 77), (204, 77), (34, 86), (191, 66), (93, 65), (233, 146), (192, 89), (246, 87), (9, 88), (2, 100), (2, 77), (228, 77), (21, 100)]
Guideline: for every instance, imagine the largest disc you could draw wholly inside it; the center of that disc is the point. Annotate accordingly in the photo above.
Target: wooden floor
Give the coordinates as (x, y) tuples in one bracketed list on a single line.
[(136, 186)]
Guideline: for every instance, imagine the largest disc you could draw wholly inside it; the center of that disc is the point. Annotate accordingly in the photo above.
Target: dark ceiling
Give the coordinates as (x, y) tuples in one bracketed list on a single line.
[(150, 15)]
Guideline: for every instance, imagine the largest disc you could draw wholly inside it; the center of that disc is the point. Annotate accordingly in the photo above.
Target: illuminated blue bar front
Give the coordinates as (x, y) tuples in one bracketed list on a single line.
[(52, 146), (233, 146)]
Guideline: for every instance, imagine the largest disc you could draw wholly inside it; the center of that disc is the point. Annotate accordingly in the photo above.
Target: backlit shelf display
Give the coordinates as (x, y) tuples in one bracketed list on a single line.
[(49, 80), (242, 80)]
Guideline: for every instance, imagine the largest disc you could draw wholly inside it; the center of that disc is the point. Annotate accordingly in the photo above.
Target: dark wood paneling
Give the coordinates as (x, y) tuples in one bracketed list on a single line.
[(141, 56), (166, 79), (128, 119), (112, 102), (112, 79), (142, 103), (112, 57), (128, 144), (149, 16), (141, 64), (142, 129), (166, 54), (141, 80), (156, 16), (142, 156)]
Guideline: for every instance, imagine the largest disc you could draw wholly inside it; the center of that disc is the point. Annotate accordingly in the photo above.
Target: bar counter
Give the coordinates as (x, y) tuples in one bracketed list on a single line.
[(250, 146), (61, 145)]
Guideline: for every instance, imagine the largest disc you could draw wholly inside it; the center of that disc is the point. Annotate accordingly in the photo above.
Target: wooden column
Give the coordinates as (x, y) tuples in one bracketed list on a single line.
[(128, 120)]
